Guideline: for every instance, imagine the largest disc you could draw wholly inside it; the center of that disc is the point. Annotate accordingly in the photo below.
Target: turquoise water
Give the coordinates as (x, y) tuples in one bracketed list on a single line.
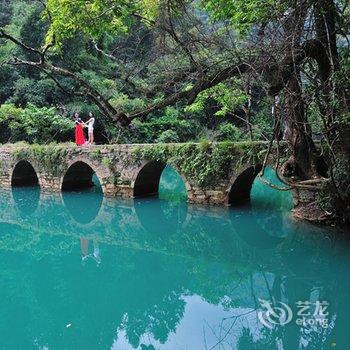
[(79, 271)]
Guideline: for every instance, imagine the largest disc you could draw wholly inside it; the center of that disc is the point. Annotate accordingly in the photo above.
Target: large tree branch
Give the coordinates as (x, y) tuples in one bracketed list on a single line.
[(191, 94), (19, 43), (86, 89), (277, 76), (72, 92)]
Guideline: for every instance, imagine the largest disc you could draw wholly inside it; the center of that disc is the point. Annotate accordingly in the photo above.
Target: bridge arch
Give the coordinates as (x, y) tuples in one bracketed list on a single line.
[(241, 184), (147, 177), (24, 174), (79, 175)]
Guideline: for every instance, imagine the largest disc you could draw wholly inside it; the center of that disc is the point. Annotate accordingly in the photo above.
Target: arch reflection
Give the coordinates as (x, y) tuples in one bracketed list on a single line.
[(255, 232), (26, 199), (167, 213), (84, 206), (160, 179), (264, 221), (160, 216)]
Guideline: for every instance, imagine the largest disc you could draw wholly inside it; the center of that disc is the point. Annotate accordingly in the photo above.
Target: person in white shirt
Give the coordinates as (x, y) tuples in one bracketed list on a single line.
[(90, 124)]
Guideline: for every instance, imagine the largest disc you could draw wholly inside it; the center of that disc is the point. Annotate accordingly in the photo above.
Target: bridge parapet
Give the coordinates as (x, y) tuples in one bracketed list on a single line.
[(213, 173)]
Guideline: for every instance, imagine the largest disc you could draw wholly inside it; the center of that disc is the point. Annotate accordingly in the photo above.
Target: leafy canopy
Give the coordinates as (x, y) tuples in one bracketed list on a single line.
[(95, 17), (244, 14), (33, 124)]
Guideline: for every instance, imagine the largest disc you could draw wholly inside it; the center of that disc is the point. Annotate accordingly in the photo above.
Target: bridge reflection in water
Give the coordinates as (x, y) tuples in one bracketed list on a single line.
[(151, 273)]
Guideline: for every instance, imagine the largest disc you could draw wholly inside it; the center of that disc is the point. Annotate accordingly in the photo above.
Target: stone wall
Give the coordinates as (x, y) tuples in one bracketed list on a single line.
[(209, 171)]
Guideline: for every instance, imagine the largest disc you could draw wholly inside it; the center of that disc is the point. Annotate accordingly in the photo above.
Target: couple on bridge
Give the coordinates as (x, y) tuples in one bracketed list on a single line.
[(79, 132)]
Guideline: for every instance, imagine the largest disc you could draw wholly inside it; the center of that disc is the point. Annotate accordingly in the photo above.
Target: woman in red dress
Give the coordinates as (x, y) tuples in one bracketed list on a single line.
[(79, 133)]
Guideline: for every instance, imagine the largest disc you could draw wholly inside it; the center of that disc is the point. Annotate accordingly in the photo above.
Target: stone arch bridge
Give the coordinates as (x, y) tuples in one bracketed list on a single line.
[(213, 173)]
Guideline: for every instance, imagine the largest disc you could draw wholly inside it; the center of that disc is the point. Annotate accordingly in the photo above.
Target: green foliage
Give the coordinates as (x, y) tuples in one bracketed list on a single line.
[(36, 92), (229, 132), (243, 14), (171, 126), (345, 118), (51, 157), (228, 96), (94, 18), (106, 162), (168, 136), (335, 197), (205, 163), (96, 154), (315, 118), (262, 120), (342, 177), (33, 124), (122, 101), (74, 26)]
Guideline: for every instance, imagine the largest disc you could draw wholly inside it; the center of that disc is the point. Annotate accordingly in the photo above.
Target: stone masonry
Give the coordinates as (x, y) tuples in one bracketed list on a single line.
[(223, 175)]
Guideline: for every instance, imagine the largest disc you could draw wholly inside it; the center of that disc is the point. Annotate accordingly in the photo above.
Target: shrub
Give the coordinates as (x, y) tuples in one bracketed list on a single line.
[(229, 132), (33, 124), (168, 136)]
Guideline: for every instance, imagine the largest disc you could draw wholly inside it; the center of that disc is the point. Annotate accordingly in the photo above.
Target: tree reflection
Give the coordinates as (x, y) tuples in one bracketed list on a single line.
[(259, 232), (156, 257)]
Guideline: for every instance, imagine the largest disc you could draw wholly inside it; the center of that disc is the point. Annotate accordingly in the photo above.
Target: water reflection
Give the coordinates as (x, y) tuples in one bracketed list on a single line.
[(26, 199), (86, 210), (85, 251), (161, 216), (261, 230), (173, 276)]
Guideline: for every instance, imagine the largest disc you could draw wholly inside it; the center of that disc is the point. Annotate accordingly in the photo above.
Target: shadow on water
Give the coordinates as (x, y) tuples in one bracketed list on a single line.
[(15, 236), (255, 231), (84, 205)]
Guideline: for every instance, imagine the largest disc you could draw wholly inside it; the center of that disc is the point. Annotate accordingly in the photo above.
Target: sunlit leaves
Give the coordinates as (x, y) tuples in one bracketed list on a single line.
[(228, 99), (33, 124), (243, 14), (95, 17)]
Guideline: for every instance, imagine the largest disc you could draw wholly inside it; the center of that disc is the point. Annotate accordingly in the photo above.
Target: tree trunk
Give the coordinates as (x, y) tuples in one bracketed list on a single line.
[(303, 163)]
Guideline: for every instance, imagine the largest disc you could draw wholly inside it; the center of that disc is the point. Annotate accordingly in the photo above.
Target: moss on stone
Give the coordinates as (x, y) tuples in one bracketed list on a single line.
[(205, 163), (50, 157), (106, 162), (96, 154)]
